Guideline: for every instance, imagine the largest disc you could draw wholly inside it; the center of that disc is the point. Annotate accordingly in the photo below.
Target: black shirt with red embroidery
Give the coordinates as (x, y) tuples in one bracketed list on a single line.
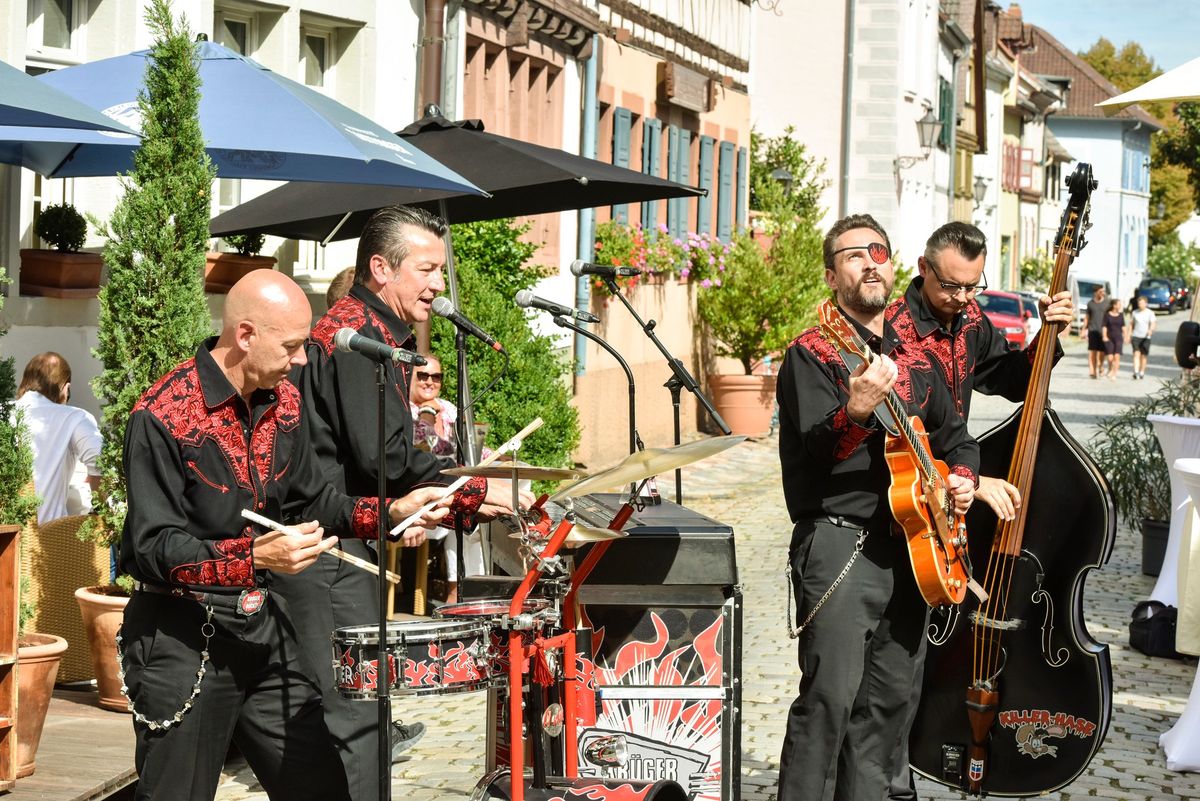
[(972, 354), (196, 456), (833, 466), (341, 406)]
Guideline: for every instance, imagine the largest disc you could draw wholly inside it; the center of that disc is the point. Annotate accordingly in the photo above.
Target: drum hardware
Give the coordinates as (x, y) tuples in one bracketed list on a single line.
[(611, 751)]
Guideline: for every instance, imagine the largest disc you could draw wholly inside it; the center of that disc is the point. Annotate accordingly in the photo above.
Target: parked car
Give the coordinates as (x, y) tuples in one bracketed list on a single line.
[(1158, 294), (1005, 311), (1033, 314), (1183, 296)]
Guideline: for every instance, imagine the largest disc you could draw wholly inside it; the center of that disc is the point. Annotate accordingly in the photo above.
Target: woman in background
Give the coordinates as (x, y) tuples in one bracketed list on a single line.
[(1114, 337)]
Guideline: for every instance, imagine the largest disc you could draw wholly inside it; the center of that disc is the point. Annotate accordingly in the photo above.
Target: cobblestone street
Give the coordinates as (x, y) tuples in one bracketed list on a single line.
[(742, 487)]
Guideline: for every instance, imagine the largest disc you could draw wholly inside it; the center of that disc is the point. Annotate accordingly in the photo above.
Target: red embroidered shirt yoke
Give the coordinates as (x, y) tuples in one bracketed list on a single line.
[(195, 456)]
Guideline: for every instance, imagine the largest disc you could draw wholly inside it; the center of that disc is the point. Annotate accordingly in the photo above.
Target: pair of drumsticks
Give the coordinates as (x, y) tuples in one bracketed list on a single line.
[(511, 445)]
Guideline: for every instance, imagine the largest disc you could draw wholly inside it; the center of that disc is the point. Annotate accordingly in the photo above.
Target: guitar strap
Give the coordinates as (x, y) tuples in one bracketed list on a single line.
[(853, 362)]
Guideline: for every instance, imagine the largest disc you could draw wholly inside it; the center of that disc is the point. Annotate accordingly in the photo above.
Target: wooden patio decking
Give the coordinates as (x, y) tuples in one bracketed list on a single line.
[(86, 753)]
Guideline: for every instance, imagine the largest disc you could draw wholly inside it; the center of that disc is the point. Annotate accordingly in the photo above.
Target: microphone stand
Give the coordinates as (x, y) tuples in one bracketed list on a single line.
[(635, 441), (464, 426), (382, 668), (680, 379)]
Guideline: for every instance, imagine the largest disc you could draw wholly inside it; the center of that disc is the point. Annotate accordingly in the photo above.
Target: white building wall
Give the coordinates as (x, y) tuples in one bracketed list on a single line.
[(988, 166), (804, 90), (1098, 142)]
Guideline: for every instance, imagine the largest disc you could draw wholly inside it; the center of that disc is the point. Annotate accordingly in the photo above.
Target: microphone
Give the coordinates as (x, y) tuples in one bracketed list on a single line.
[(444, 308), (527, 300), (579, 267), (347, 339)]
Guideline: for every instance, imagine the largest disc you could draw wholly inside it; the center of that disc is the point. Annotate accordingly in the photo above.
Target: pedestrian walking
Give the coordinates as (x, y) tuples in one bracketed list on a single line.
[(1142, 327), (1113, 334)]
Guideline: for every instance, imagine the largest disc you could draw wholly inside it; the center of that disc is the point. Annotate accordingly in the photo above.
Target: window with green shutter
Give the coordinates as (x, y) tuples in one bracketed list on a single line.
[(622, 131), (945, 113), (651, 165), (743, 185), (725, 191), (705, 178)]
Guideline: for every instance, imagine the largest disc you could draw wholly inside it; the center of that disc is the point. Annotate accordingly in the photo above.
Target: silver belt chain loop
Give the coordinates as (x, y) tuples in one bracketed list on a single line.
[(793, 633), (208, 630)]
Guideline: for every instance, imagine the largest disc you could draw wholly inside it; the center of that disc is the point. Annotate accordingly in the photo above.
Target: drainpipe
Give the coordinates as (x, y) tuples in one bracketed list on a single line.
[(847, 109), (432, 44), (956, 57), (587, 217)]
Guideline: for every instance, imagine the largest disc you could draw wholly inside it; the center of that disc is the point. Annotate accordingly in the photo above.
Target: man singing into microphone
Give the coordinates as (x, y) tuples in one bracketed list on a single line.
[(398, 274)]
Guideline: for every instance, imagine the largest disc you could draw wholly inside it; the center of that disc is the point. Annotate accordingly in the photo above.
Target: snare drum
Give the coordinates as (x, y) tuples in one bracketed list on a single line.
[(489, 609), (425, 657)]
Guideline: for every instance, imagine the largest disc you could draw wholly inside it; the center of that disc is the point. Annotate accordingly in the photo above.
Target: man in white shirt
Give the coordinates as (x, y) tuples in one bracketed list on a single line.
[(62, 436), (1144, 324)]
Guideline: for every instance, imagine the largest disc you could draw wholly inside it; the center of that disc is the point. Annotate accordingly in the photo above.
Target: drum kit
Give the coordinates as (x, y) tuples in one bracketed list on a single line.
[(530, 649)]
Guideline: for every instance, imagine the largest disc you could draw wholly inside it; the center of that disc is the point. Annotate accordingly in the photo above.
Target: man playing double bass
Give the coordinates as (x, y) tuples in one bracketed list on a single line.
[(863, 619), (939, 315)]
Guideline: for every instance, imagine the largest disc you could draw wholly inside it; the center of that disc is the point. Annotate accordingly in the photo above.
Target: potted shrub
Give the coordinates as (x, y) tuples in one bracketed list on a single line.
[(223, 270), (1126, 450), (753, 308), (63, 272), (37, 654)]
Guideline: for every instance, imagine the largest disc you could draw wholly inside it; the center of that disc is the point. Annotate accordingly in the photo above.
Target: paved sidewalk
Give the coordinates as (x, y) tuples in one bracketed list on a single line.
[(742, 487)]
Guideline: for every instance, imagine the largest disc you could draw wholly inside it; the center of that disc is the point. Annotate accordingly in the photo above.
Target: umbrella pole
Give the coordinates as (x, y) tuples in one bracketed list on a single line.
[(468, 453)]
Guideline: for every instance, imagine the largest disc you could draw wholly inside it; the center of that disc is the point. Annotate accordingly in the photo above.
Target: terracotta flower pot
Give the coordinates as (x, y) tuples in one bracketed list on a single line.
[(37, 666), (745, 401), (52, 274), (102, 616), (223, 270)]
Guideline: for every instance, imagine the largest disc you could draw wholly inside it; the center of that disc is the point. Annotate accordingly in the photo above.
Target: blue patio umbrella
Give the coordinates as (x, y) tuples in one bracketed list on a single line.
[(26, 101), (256, 124)]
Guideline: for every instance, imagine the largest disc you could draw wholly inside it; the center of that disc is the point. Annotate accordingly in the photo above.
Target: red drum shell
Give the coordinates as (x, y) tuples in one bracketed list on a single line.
[(496, 787), (439, 657)]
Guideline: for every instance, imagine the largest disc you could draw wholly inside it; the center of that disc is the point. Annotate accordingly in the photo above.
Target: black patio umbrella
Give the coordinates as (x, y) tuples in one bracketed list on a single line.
[(522, 179)]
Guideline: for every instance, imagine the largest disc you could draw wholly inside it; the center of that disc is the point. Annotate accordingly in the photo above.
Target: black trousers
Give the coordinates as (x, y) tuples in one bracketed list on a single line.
[(858, 659), (333, 594), (252, 693)]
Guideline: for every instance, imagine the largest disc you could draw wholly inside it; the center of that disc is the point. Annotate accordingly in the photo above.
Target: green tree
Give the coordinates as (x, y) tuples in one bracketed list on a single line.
[(1182, 145), (491, 261), (772, 158), (152, 310), (1172, 258)]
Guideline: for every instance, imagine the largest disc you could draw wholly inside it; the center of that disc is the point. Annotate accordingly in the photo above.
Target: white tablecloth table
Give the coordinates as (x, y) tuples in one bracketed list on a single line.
[(1182, 742), (1179, 438)]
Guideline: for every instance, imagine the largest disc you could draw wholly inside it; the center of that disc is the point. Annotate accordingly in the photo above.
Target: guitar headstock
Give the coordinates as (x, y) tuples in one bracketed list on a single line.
[(1076, 219), (837, 329)]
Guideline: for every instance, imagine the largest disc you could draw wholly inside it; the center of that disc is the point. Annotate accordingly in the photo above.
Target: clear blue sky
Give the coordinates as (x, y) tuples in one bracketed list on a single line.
[(1168, 30)]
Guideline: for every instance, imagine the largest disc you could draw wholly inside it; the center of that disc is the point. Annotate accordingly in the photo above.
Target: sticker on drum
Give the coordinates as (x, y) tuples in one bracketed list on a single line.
[(425, 657), (490, 608)]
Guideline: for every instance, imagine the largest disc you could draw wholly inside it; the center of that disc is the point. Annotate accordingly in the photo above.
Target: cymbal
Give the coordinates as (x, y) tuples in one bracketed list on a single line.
[(522, 471), (650, 462), (585, 535)]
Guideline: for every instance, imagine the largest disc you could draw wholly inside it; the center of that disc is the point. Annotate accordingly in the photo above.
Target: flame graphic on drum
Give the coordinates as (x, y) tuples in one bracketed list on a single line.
[(457, 667), (694, 725), (601, 792)]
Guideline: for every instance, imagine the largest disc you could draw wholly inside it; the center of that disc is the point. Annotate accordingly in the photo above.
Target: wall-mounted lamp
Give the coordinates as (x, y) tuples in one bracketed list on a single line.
[(783, 177), (928, 128), (980, 188), (1160, 213)]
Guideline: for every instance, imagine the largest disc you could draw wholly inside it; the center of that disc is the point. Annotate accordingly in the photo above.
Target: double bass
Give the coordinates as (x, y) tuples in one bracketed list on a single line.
[(1017, 695)]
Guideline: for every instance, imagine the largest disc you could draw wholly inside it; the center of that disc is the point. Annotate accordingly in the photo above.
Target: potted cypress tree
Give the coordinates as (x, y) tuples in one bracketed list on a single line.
[(157, 237), (63, 272), (223, 270)]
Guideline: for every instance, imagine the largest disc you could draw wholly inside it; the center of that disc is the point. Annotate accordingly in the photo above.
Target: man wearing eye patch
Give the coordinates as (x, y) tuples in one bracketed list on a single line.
[(861, 616), (939, 315)]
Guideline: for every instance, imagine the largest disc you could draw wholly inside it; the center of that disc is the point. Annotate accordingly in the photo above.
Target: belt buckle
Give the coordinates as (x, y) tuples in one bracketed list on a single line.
[(251, 602)]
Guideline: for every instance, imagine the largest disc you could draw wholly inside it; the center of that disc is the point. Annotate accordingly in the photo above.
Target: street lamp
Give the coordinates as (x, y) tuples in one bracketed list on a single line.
[(928, 128), (782, 176), (981, 186)]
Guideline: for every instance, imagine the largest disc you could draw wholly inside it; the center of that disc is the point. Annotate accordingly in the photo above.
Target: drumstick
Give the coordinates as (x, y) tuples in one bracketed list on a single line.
[(451, 488), (254, 517)]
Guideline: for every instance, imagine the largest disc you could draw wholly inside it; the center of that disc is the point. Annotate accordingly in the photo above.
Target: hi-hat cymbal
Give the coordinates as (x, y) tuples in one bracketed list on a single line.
[(585, 535), (643, 464), (522, 471)]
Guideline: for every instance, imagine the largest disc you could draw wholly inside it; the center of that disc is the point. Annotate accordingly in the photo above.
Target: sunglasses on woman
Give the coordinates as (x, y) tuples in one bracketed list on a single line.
[(424, 376)]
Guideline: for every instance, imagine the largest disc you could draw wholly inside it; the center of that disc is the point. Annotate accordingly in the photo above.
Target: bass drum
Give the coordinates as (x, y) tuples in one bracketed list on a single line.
[(1055, 683), (497, 786)]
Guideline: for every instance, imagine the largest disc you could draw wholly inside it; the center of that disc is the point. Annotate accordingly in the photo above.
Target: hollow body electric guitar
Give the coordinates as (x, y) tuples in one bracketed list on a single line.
[(919, 495)]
